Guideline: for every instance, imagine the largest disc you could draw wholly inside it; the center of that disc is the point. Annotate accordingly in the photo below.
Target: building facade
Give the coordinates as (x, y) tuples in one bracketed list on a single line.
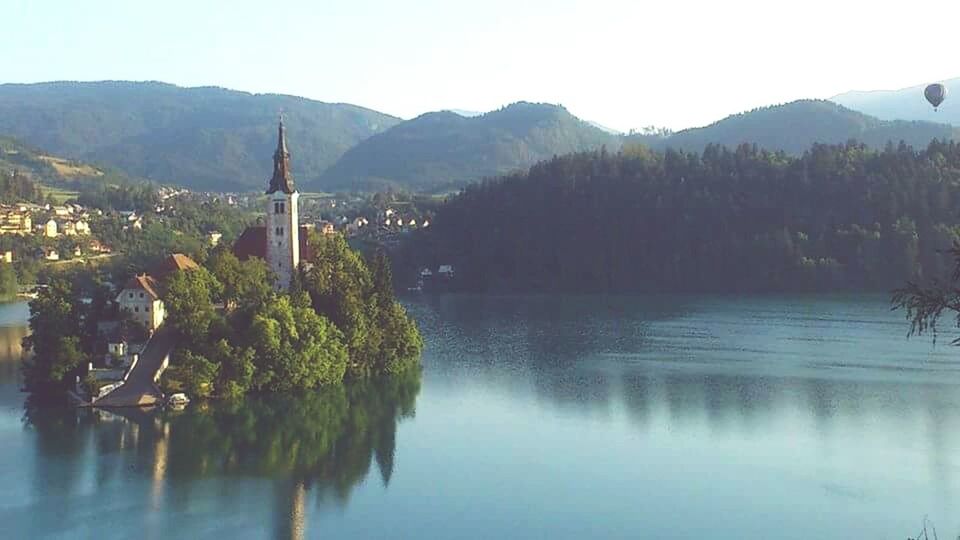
[(141, 299)]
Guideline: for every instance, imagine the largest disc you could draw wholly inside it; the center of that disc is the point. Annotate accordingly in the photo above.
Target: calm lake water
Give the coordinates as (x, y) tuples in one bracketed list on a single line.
[(534, 417)]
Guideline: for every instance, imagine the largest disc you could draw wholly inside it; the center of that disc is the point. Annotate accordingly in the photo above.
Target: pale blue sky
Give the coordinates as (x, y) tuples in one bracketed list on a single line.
[(622, 63)]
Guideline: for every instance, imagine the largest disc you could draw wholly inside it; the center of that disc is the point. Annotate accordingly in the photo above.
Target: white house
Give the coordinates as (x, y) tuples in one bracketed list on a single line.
[(50, 228), (140, 297)]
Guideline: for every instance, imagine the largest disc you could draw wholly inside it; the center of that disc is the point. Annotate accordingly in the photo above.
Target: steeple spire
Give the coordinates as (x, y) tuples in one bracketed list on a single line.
[(282, 180)]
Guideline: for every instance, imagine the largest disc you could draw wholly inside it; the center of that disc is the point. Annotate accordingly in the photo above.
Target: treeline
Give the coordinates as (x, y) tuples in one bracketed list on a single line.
[(837, 217), (139, 197), (16, 187)]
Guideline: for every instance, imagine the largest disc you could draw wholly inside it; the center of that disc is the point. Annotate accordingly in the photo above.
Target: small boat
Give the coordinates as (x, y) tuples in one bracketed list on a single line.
[(178, 400)]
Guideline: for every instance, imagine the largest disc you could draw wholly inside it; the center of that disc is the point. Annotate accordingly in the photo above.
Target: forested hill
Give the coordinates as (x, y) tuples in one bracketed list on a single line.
[(838, 217), (442, 150), (795, 126), (905, 104), (204, 138), (24, 169)]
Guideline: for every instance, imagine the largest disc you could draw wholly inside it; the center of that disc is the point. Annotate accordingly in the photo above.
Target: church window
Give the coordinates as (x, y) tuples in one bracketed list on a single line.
[(279, 208), (136, 309), (130, 294)]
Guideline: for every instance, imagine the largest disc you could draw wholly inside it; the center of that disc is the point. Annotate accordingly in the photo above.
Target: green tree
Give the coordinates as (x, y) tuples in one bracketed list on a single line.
[(189, 301), (339, 285), (400, 343), (295, 347), (8, 281), (925, 304), (244, 283), (194, 372), (56, 317)]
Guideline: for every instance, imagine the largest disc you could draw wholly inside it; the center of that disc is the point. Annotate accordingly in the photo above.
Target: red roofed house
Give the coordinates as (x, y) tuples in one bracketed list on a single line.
[(141, 297), (282, 242), (174, 262)]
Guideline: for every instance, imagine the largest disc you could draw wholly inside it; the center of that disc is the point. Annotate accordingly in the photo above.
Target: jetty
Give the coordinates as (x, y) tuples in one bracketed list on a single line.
[(139, 387)]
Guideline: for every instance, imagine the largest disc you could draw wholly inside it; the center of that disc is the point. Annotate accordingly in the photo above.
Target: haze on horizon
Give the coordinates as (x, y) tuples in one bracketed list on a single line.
[(621, 63)]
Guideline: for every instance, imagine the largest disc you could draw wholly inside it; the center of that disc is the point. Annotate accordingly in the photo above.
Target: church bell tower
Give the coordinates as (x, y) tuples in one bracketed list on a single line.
[(283, 221)]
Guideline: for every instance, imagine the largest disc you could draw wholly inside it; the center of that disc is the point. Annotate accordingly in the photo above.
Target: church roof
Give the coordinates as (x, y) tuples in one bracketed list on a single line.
[(253, 243), (282, 179)]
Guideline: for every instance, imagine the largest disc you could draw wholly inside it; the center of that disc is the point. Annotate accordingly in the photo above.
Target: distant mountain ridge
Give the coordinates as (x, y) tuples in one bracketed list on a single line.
[(222, 140), (203, 138), (443, 150), (794, 127), (905, 103)]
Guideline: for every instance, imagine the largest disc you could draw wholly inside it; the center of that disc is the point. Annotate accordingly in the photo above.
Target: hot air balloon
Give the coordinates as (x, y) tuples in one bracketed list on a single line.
[(935, 94)]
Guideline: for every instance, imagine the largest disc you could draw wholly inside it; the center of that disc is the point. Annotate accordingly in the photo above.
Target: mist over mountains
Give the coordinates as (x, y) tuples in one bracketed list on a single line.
[(905, 103)]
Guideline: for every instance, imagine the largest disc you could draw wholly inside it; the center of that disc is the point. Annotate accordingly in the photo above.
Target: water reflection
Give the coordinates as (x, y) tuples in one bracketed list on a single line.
[(11, 353), (313, 446), (563, 417), (825, 378)]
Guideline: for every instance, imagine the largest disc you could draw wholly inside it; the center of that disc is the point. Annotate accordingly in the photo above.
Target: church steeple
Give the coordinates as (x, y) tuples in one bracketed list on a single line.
[(282, 179)]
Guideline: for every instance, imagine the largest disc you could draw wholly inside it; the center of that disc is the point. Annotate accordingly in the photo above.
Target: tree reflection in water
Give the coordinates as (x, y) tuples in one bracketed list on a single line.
[(318, 444)]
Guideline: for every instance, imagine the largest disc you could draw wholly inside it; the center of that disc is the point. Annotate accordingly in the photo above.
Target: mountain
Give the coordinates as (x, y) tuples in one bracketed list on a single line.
[(905, 104), (443, 150), (203, 138), (795, 127)]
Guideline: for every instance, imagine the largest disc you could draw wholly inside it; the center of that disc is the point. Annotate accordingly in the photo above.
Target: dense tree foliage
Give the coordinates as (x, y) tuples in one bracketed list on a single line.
[(359, 299), (140, 197), (56, 331), (8, 281), (189, 300), (244, 283), (838, 217), (340, 320), (295, 347), (16, 187)]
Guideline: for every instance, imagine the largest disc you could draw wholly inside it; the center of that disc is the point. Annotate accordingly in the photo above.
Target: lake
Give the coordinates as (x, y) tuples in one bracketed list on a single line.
[(534, 417)]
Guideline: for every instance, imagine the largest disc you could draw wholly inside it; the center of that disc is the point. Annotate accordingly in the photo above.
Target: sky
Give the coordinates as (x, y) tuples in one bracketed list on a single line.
[(622, 63)]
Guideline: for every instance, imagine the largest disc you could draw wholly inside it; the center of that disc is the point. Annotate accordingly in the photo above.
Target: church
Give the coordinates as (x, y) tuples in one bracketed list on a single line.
[(281, 242)]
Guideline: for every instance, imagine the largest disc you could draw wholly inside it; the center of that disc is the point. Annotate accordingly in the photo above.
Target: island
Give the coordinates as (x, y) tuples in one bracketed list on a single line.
[(285, 308)]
